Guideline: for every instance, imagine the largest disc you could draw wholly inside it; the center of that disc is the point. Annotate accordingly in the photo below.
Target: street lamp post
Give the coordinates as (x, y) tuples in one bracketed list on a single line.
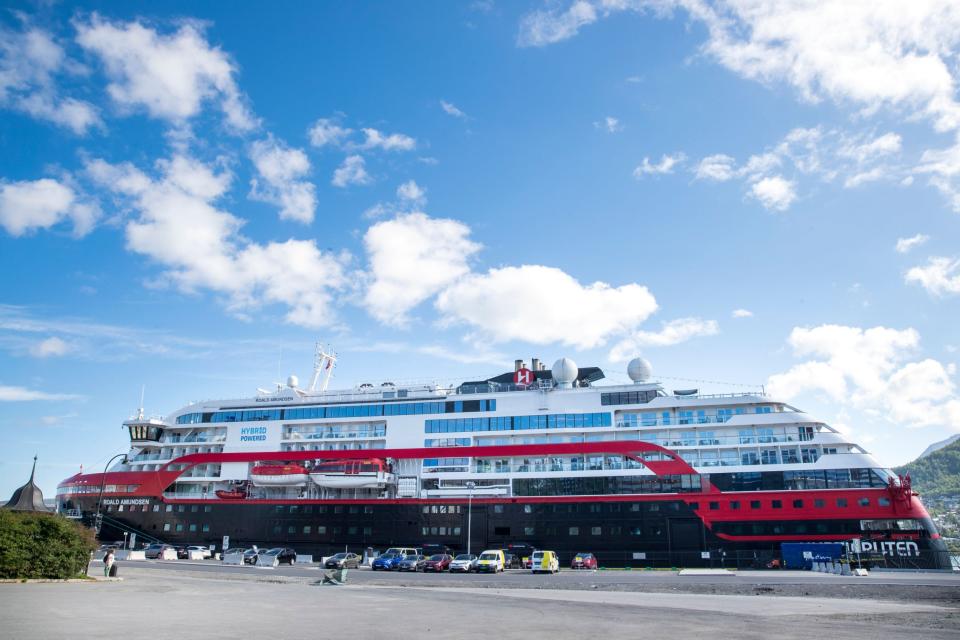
[(470, 486), (103, 480)]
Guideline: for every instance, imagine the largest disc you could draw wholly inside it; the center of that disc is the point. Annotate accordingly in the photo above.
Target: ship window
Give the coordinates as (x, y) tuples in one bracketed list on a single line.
[(528, 508), (156, 508), (864, 502), (841, 502), (798, 504), (714, 506), (776, 504), (368, 509), (754, 504), (194, 508), (169, 508), (207, 508), (883, 502), (694, 505), (734, 504), (498, 508), (819, 504)]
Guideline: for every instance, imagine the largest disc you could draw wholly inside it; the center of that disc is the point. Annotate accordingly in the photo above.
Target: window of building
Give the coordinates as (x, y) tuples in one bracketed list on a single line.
[(321, 530), (528, 531), (193, 528), (206, 528), (169, 508), (595, 531), (307, 529), (498, 508), (291, 529), (574, 531), (277, 529), (166, 526), (179, 527), (156, 508), (367, 531)]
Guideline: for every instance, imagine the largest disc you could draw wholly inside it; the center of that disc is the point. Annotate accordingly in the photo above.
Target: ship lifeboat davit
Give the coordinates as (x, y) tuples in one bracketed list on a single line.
[(278, 475), (352, 474), (230, 495)]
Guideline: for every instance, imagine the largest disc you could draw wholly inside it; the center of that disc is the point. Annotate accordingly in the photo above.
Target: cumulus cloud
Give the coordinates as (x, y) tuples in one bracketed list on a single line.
[(671, 333), (540, 28), (665, 166), (374, 139), (40, 204), (180, 227), (904, 245), (30, 62), (281, 169), (451, 109), (742, 313), (412, 257), (869, 369), (719, 167), (52, 346), (609, 124), (542, 305), (170, 76), (412, 193), (352, 171), (940, 276), (775, 193), (327, 132)]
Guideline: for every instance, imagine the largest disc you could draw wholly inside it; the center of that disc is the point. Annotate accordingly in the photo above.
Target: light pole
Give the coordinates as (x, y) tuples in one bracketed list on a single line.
[(103, 480), (470, 486)]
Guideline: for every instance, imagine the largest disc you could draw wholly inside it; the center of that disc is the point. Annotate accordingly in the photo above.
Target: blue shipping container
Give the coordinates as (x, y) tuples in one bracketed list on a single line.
[(801, 555)]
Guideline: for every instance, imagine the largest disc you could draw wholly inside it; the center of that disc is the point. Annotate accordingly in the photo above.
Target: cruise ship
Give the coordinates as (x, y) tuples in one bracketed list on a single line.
[(638, 474)]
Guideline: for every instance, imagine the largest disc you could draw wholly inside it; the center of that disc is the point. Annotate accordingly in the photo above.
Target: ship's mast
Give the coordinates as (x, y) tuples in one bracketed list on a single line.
[(323, 362)]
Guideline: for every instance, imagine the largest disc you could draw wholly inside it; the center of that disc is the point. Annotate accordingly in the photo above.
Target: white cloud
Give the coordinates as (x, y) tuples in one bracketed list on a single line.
[(904, 245), (541, 305), (22, 394), (282, 168), (171, 76), (673, 332), (52, 346), (868, 369), (665, 166), (609, 124), (200, 246), (940, 276), (775, 193), (742, 313), (390, 142), (719, 167), (351, 171), (877, 173), (29, 63), (412, 257), (327, 132), (40, 204), (412, 193), (451, 109), (541, 28), (862, 152)]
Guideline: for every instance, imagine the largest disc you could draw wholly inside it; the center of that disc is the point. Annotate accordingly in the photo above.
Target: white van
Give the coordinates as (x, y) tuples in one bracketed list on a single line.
[(545, 562)]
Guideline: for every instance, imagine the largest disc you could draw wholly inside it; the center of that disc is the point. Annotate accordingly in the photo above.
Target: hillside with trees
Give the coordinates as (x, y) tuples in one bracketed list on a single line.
[(936, 475)]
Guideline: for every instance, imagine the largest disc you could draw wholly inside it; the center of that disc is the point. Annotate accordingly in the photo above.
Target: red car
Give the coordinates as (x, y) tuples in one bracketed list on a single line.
[(584, 561), (438, 562)]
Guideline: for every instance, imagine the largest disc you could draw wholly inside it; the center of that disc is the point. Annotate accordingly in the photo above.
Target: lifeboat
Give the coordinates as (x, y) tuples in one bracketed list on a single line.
[(352, 474), (230, 495), (278, 475)]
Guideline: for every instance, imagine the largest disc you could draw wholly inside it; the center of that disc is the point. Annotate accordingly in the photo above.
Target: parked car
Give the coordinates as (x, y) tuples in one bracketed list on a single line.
[(182, 552), (342, 560), (156, 550), (207, 552), (387, 562), (438, 562), (112, 546), (411, 563), (544, 562), (523, 550), (232, 551), (283, 555), (491, 561), (463, 563), (584, 561), (250, 555), (511, 561)]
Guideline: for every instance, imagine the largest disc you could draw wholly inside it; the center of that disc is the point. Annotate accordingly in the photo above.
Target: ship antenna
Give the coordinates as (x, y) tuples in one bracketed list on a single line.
[(143, 390), (323, 361)]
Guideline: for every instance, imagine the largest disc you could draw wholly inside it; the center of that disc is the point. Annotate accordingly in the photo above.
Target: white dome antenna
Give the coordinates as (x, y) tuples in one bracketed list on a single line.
[(564, 372), (293, 381), (639, 370)]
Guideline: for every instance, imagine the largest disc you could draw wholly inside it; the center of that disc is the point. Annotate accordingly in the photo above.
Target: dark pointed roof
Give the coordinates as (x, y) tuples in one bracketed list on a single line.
[(28, 497)]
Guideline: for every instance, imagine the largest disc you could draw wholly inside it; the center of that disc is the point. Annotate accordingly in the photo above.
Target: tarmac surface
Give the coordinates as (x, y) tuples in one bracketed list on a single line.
[(206, 600)]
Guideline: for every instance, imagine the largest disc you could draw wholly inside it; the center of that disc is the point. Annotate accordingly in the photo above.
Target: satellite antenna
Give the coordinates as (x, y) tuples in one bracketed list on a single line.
[(143, 390)]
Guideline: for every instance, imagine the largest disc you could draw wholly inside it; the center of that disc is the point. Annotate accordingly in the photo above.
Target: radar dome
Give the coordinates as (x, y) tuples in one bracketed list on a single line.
[(639, 370), (293, 381), (565, 371)]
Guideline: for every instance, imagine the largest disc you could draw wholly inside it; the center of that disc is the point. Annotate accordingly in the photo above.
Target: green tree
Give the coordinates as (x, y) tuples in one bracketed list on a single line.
[(41, 545), (936, 475)]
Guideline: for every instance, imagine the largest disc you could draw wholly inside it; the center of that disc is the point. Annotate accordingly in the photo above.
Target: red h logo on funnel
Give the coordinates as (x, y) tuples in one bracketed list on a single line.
[(523, 377)]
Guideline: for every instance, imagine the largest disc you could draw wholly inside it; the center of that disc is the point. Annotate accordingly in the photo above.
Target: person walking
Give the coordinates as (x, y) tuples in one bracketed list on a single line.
[(108, 560)]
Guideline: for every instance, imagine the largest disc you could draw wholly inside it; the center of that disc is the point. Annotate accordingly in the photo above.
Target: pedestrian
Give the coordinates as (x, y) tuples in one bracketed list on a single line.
[(107, 563)]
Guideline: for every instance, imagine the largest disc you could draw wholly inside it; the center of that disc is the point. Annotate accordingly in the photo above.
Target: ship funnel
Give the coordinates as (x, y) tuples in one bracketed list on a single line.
[(535, 364)]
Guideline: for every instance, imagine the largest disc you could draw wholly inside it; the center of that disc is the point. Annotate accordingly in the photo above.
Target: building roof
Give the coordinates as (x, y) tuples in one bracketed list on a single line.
[(28, 497)]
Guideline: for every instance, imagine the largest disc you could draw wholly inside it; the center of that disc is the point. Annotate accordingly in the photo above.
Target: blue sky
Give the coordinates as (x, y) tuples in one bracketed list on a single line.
[(740, 191)]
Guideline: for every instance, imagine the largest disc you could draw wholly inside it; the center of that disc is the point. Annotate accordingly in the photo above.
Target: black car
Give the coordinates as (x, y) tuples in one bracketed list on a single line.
[(342, 560), (282, 555), (512, 561)]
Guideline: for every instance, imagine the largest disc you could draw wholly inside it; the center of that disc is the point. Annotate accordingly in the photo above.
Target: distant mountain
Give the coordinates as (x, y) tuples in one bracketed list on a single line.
[(936, 474), (936, 446)]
